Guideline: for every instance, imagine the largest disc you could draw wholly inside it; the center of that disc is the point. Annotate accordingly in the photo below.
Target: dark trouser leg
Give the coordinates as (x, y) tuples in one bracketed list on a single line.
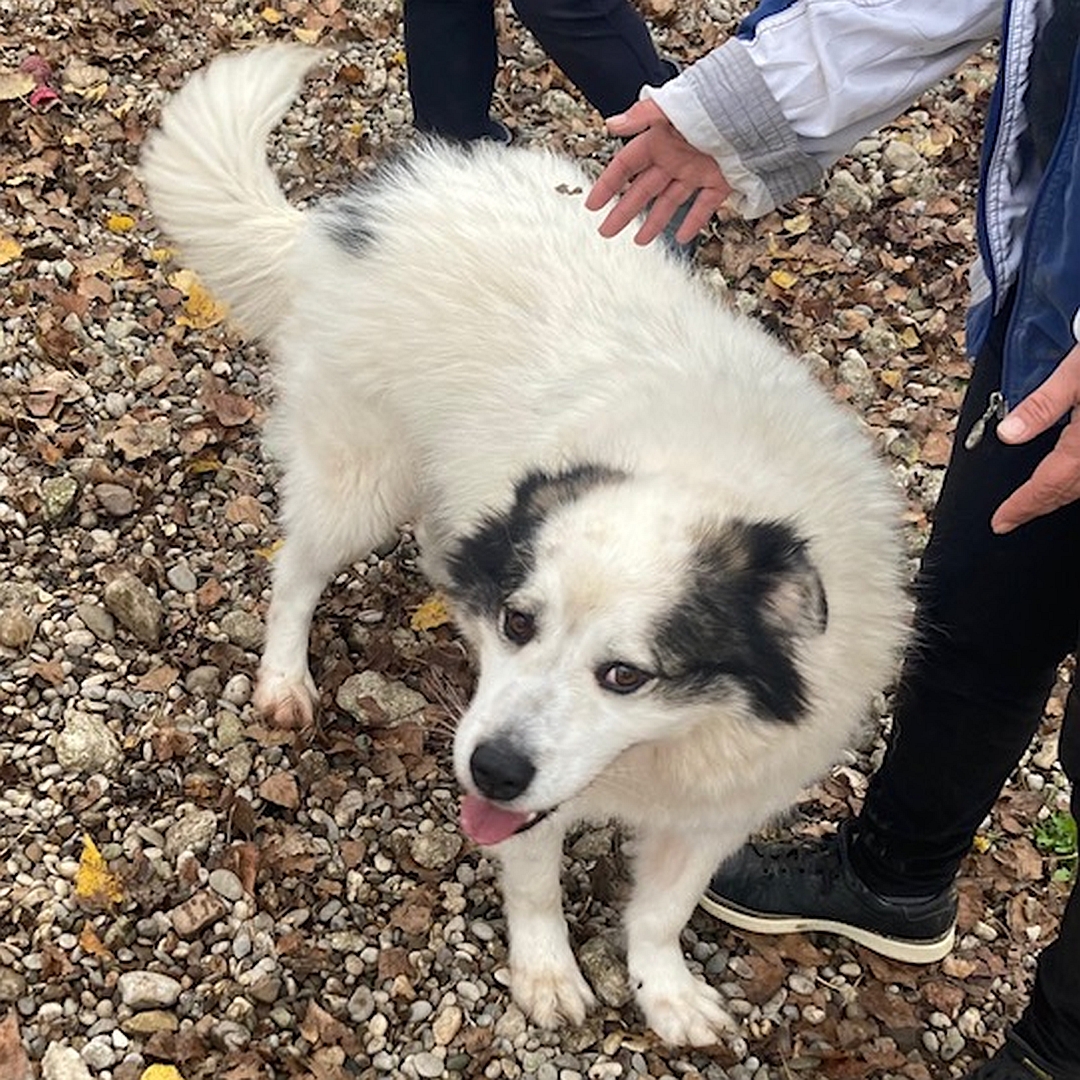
[(997, 615), (603, 46), (1051, 1022), (452, 58)]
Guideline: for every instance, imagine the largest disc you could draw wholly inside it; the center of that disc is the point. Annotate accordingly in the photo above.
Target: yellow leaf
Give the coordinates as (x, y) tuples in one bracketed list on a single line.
[(890, 378), (119, 223), (785, 279), (10, 248), (161, 1072), (208, 463), (935, 144), (306, 36), (798, 225), (94, 880), (981, 843), (94, 94), (270, 551), (431, 613), (117, 270), (271, 15), (201, 310), (397, 59), (909, 338), (162, 254)]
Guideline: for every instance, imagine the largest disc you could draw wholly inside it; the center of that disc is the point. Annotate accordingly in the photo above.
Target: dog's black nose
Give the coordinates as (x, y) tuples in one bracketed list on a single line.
[(501, 771)]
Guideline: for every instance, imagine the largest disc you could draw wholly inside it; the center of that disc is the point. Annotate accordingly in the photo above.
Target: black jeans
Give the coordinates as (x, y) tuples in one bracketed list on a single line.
[(603, 46), (997, 614)]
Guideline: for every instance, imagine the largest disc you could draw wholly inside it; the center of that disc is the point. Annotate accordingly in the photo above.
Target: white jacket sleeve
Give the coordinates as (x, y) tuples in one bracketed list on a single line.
[(806, 79)]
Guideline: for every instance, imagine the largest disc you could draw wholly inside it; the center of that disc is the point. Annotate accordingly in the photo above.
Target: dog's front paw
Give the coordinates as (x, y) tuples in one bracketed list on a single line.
[(684, 1011), (286, 701), (551, 994)]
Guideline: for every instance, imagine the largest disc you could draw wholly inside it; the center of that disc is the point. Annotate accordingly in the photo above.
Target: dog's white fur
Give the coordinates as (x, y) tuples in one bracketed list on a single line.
[(482, 332)]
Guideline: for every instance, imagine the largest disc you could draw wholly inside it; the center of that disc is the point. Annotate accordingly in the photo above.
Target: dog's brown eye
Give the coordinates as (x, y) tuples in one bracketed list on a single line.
[(518, 626), (622, 678)]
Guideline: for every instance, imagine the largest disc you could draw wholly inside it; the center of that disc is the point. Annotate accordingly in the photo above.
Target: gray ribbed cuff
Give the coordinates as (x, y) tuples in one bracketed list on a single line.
[(739, 105)]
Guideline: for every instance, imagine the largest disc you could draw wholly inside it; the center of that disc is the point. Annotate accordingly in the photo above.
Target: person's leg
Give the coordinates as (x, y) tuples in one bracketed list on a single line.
[(996, 616), (452, 58), (603, 46), (1051, 1022)]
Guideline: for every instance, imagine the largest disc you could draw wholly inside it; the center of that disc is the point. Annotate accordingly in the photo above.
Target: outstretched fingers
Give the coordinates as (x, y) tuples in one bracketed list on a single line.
[(654, 174)]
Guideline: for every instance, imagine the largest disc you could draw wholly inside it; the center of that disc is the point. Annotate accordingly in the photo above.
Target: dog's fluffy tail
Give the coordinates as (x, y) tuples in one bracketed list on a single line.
[(211, 188)]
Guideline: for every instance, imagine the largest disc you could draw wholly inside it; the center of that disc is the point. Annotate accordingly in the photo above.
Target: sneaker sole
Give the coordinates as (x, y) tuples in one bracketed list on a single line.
[(905, 950)]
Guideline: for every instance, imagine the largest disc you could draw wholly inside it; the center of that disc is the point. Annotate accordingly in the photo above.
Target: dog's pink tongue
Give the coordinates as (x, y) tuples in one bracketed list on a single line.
[(487, 823)]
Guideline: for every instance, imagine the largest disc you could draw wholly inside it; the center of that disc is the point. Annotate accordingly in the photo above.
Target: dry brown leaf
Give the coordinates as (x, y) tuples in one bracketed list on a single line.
[(138, 437), (318, 1026), (158, 680), (169, 743), (210, 593), (83, 78), (14, 1064), (245, 510), (1022, 859), (281, 789), (90, 943), (890, 1008), (393, 961), (936, 448), (229, 409), (243, 860), (959, 967), (945, 997), (413, 914)]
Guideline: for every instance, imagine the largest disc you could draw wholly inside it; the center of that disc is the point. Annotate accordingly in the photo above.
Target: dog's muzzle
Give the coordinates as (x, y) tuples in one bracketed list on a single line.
[(501, 772)]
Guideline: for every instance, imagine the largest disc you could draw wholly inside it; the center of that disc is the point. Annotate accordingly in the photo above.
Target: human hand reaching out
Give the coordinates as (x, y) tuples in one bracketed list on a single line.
[(659, 170), (1056, 479)]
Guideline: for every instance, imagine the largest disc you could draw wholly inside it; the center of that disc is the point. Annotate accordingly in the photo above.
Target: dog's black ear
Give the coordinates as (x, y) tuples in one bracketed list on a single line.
[(792, 593), (491, 562), (752, 594)]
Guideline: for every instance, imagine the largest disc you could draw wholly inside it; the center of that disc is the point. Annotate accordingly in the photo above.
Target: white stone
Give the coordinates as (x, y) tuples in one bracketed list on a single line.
[(85, 744), (148, 990), (63, 1063)]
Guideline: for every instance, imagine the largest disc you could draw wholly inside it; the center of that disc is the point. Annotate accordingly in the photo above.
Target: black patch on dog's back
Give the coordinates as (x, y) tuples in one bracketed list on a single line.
[(494, 560), (349, 219), (349, 227), (752, 594)]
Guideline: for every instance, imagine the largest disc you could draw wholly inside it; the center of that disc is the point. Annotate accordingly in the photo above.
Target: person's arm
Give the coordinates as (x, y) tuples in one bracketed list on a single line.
[(776, 105)]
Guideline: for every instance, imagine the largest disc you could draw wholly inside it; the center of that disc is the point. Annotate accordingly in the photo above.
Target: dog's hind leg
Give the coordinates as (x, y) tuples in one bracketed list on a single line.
[(334, 511), (544, 976), (672, 869)]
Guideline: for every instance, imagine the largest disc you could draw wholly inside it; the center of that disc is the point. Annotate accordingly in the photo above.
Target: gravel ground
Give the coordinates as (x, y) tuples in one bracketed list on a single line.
[(183, 887)]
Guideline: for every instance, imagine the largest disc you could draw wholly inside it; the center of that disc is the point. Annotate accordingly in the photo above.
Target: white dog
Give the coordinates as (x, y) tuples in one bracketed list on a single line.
[(676, 559)]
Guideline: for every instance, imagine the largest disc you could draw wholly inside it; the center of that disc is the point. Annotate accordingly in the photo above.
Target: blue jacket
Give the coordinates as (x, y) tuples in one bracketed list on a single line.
[(1041, 253), (803, 80)]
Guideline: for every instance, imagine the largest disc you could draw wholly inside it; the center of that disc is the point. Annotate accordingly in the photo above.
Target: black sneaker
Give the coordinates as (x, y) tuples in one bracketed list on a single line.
[(788, 887), (1017, 1061)]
